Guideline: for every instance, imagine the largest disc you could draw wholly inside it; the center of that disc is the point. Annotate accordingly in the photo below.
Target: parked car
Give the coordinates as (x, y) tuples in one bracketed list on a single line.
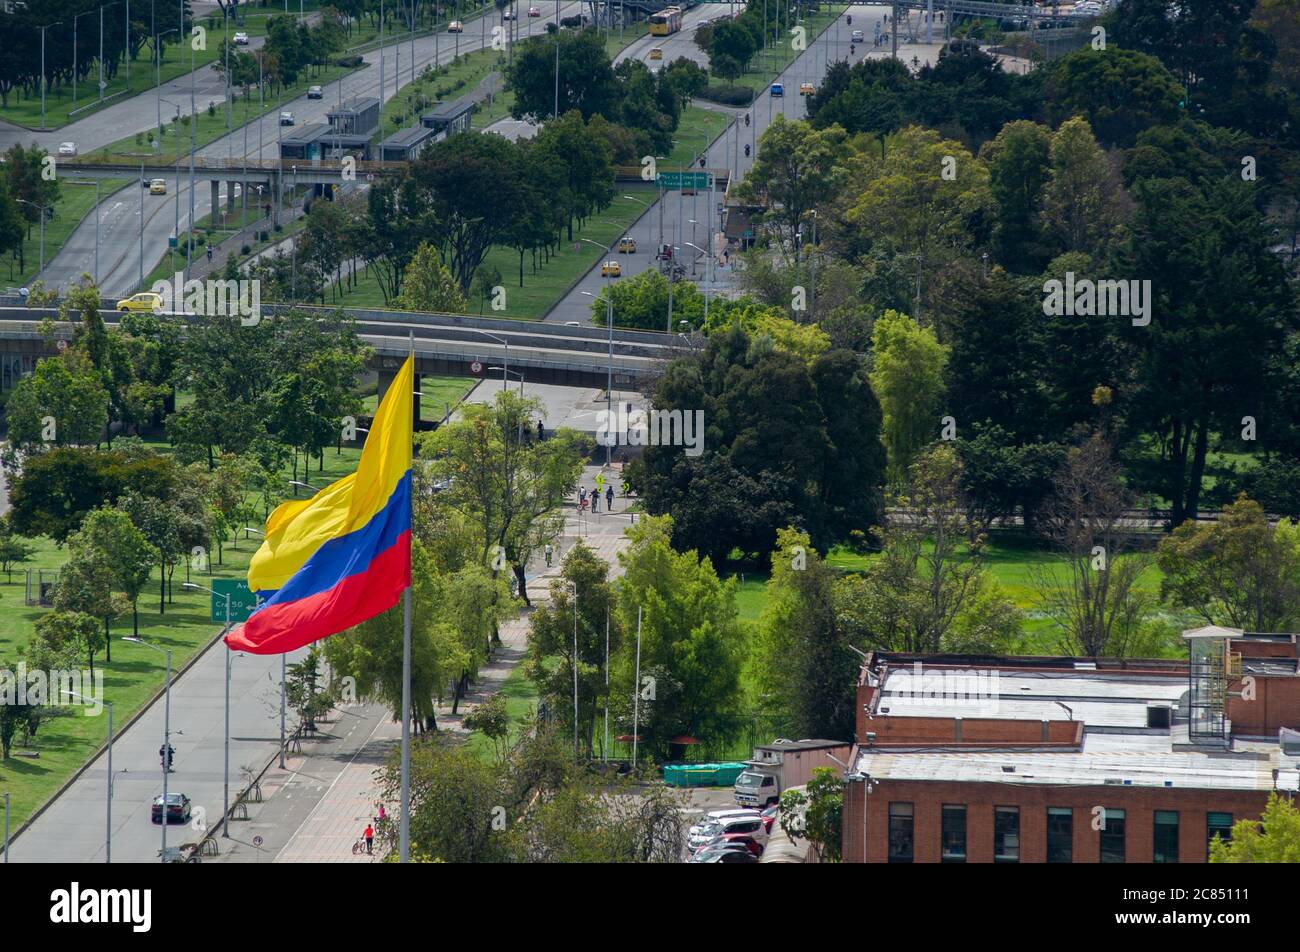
[(736, 855), (748, 841), (627, 246), (286, 118), (717, 816), (315, 92), (749, 825), (178, 808), (241, 39), (158, 187), (67, 148), (778, 89), (149, 301), (611, 269), (769, 817), (455, 26)]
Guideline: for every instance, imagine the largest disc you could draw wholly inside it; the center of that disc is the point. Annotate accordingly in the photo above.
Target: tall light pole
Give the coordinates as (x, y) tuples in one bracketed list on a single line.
[(6, 828), (283, 670), (225, 785), (108, 840), (74, 55), (42, 209), (167, 731), (609, 321), (97, 231), (44, 82), (157, 52)]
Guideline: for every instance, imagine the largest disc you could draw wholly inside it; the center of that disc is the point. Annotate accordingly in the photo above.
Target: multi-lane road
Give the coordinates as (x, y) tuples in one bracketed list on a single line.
[(120, 261)]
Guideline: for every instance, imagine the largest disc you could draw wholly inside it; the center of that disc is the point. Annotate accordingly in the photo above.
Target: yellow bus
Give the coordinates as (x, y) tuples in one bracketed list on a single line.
[(666, 22)]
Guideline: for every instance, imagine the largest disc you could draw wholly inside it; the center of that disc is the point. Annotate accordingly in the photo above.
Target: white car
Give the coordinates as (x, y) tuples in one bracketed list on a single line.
[(858, 37), (707, 832), (717, 816), (455, 26), (509, 15), (315, 92), (241, 39), (67, 148), (286, 118)]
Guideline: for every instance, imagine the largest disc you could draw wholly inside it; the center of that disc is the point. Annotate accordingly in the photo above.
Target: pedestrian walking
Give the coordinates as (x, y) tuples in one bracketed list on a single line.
[(382, 814), (370, 838), (209, 252), (549, 552), (595, 500), (609, 498), (540, 432), (582, 498)]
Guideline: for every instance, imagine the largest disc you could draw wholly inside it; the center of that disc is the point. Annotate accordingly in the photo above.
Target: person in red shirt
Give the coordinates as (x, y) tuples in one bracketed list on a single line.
[(370, 838)]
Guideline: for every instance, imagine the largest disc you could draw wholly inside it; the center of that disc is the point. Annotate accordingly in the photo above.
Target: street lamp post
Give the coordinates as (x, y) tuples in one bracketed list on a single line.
[(108, 837), (283, 670), (42, 209), (609, 321), (44, 82), (504, 343), (167, 732), (513, 373), (225, 786)]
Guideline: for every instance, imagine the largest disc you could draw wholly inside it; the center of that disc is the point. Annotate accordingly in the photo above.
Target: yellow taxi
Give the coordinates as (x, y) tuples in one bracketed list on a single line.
[(611, 269), (158, 187), (150, 301), (806, 89), (656, 54), (627, 246)]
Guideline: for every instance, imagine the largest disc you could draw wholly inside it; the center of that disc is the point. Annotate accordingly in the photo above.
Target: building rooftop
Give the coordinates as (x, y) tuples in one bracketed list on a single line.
[(806, 744), (405, 138), (357, 104)]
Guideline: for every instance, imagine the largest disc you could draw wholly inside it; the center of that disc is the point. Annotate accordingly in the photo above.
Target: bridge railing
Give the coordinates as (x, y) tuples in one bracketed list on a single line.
[(208, 163)]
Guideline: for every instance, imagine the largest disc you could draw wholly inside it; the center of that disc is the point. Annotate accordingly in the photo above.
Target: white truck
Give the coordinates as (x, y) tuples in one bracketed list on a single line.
[(783, 764)]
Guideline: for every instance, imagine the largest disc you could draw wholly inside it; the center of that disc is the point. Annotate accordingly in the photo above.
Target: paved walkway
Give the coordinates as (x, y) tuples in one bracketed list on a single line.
[(314, 810)]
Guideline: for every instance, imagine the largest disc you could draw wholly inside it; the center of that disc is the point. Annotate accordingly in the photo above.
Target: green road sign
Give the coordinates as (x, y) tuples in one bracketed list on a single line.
[(676, 180), (242, 600)]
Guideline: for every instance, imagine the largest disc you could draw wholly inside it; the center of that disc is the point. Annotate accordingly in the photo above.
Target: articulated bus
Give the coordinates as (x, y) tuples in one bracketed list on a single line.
[(666, 22)]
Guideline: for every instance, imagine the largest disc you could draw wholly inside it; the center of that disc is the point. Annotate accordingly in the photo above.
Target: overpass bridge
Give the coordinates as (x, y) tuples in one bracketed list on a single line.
[(445, 345)]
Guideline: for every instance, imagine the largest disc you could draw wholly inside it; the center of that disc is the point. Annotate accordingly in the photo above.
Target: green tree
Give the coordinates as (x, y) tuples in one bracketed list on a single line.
[(816, 814), (907, 378), (13, 549), (428, 285), (1238, 571), (1019, 164), (110, 536), (587, 81), (1081, 202), (801, 662), (1274, 838), (62, 403), (1118, 91), (691, 642)]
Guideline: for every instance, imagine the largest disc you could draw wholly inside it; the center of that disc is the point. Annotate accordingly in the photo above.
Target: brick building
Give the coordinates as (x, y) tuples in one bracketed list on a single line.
[(1034, 760)]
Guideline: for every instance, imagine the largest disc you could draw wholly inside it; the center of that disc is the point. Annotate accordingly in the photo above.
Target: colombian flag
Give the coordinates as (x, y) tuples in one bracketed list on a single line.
[(344, 555)]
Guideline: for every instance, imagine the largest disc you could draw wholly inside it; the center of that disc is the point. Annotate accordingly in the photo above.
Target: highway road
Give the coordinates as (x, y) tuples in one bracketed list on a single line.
[(120, 262), (686, 220)]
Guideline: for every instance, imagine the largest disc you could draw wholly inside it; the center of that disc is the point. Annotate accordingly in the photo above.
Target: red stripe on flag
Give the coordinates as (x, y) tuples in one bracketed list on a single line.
[(276, 629)]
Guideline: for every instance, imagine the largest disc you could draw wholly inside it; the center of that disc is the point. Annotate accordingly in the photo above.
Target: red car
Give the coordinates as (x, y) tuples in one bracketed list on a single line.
[(745, 839), (769, 817), (178, 808)]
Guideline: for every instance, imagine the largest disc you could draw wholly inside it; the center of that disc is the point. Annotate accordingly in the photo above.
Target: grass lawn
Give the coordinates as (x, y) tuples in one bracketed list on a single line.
[(769, 63), (437, 394), (1011, 562), (697, 128), (176, 62), (521, 699), (76, 201), (135, 673)]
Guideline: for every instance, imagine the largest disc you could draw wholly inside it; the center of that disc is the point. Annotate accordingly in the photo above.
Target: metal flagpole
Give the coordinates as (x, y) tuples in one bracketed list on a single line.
[(405, 821)]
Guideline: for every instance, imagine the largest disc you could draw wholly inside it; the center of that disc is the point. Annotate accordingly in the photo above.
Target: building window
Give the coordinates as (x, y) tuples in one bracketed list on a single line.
[(900, 833), (953, 845), (1217, 824), (1165, 846), (1060, 835), (1006, 834), (1112, 836)]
